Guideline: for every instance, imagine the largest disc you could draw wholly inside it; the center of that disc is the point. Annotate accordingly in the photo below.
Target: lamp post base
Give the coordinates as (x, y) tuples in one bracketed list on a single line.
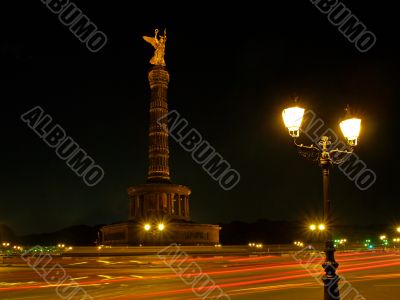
[(330, 279)]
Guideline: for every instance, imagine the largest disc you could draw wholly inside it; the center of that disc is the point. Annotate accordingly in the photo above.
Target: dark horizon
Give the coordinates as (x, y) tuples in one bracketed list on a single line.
[(268, 232), (233, 70)]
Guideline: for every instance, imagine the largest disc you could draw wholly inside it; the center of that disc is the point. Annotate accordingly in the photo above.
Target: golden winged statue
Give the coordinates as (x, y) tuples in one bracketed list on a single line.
[(159, 45)]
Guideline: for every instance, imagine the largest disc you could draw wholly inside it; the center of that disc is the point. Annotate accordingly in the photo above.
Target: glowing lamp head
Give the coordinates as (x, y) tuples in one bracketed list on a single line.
[(147, 227), (351, 130), (161, 226), (398, 229), (292, 117), (313, 227), (321, 227), (383, 237)]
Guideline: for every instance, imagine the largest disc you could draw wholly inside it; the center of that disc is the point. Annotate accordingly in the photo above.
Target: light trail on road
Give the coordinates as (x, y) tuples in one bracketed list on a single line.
[(118, 278)]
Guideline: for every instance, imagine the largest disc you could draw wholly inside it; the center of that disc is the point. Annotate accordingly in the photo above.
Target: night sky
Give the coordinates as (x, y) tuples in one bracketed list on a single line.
[(233, 69)]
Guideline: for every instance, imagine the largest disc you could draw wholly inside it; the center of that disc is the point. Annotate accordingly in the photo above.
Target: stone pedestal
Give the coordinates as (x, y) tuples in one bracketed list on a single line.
[(132, 233)]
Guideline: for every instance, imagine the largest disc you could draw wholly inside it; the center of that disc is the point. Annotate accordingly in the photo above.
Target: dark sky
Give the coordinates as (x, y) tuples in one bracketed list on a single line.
[(233, 69)]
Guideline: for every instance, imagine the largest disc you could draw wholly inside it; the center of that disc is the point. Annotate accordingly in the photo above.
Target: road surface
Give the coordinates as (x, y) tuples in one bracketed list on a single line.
[(375, 275)]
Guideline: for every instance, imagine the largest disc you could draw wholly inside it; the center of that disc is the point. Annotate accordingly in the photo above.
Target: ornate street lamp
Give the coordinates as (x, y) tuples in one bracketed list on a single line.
[(321, 153), (293, 117)]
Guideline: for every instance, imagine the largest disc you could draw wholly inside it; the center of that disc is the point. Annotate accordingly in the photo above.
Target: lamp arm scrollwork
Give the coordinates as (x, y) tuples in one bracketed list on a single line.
[(307, 147), (341, 151), (311, 152), (337, 161)]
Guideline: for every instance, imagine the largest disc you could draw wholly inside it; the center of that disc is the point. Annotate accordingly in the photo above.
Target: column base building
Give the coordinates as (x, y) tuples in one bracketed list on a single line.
[(153, 204)]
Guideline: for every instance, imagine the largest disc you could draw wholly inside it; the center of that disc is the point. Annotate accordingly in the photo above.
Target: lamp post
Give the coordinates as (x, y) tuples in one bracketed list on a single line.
[(322, 153)]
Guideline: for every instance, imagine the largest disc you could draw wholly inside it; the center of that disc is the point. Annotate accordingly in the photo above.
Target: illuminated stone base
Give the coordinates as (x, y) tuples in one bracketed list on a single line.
[(183, 233)]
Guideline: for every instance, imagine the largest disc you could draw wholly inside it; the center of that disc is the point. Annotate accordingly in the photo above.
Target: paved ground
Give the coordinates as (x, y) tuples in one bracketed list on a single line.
[(376, 275)]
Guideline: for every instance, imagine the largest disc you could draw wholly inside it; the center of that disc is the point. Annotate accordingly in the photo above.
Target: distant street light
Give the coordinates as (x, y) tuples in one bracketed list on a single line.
[(299, 244), (292, 117), (258, 245), (161, 226), (398, 229), (382, 237), (321, 227), (153, 231)]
